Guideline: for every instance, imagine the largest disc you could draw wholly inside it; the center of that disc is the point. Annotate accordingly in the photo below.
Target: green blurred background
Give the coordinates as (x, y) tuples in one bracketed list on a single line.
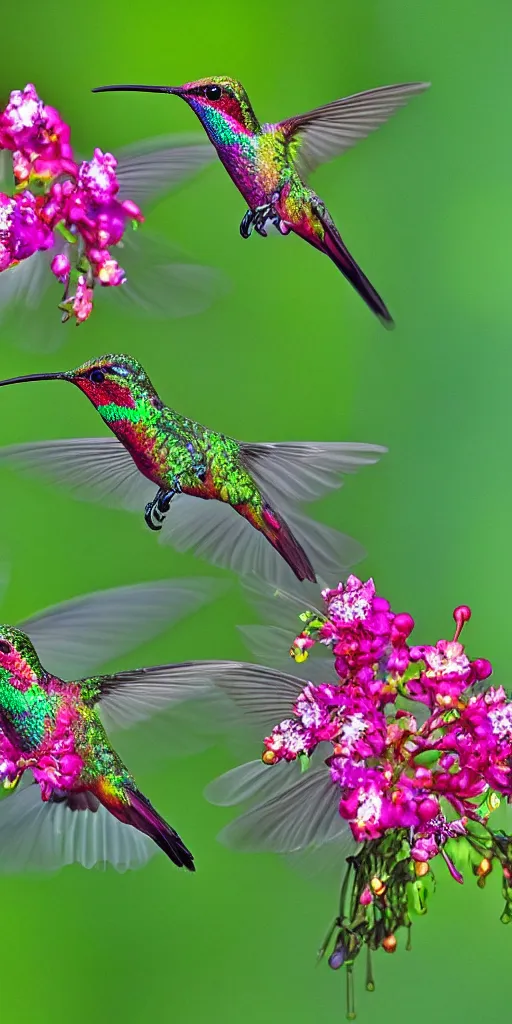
[(290, 353)]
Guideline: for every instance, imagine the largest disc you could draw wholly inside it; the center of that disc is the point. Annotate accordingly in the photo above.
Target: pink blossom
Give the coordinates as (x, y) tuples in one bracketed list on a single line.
[(84, 207), (412, 784)]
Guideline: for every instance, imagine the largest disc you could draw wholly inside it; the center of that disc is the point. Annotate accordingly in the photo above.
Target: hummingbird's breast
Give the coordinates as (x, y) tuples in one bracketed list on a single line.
[(257, 164)]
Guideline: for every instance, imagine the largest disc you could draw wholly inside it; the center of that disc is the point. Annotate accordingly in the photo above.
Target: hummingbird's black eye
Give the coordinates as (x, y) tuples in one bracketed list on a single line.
[(5, 648), (213, 92), (97, 376)]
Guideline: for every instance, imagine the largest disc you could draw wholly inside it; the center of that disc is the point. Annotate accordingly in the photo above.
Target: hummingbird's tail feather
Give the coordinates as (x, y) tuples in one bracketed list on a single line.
[(132, 808), (335, 248), (278, 533)]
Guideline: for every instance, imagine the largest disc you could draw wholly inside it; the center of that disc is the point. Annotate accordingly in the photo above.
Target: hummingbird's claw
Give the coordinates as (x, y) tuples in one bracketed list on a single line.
[(260, 217), (156, 510), (247, 224)]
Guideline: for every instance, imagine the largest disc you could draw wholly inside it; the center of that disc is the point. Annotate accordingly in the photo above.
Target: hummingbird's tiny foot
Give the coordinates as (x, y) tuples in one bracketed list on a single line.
[(247, 224), (152, 516), (156, 510)]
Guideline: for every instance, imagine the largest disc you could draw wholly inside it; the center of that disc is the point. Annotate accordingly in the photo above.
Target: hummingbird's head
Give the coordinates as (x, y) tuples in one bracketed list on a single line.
[(215, 100), (113, 380), (117, 380), (18, 656)]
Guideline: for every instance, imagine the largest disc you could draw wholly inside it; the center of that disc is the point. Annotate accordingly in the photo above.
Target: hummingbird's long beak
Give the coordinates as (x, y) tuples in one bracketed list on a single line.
[(138, 88), (34, 376)]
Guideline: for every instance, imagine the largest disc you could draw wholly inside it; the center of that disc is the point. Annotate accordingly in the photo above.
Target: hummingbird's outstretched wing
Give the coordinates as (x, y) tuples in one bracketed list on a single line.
[(328, 131), (125, 698), (76, 637), (305, 470), (91, 468), (148, 169), (37, 835), (289, 812), (101, 469)]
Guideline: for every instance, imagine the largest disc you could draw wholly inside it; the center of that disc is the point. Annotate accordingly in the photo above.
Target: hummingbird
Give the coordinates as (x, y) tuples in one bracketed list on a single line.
[(270, 163), (82, 796), (234, 502)]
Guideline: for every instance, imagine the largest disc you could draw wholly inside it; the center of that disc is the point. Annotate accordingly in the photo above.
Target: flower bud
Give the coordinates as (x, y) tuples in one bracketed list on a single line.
[(428, 808), (421, 868), (482, 668), (269, 757), (461, 615), (403, 624), (389, 943), (338, 956), (60, 266), (366, 897), (423, 776), (378, 886), (484, 867)]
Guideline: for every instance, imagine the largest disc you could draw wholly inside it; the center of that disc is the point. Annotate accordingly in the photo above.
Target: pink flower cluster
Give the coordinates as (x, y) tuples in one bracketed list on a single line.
[(55, 765), (397, 768), (60, 205), (421, 755)]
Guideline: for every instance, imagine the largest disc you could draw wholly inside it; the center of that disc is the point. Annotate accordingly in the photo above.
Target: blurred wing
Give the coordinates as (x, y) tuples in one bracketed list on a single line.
[(261, 696), (92, 468), (328, 131), (216, 532), (324, 864), (304, 812), (45, 836), (29, 296), (132, 696), (251, 782), (27, 281), (331, 553), (159, 280), (75, 637), (154, 166), (256, 694), (304, 470), (22, 290), (284, 604), (271, 644)]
